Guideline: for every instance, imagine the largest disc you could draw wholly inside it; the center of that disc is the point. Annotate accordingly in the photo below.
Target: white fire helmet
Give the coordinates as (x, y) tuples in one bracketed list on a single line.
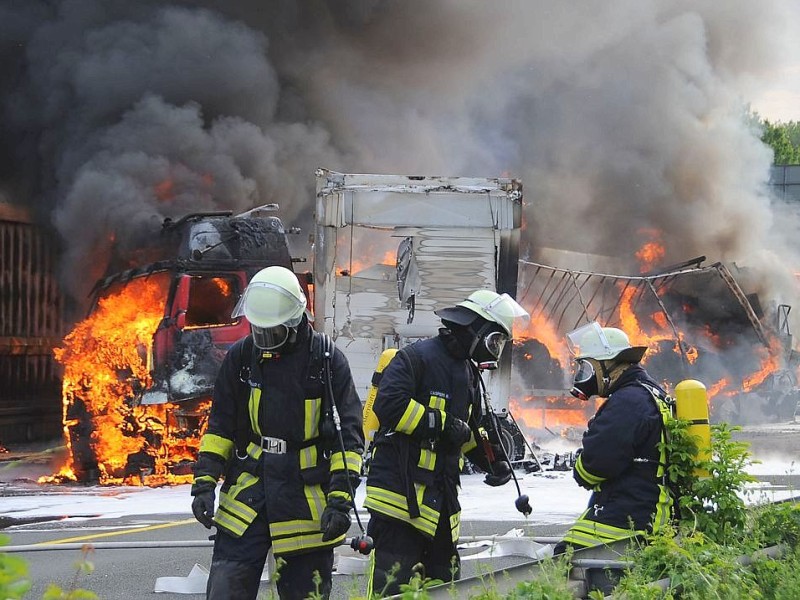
[(603, 343), (498, 308), (273, 303)]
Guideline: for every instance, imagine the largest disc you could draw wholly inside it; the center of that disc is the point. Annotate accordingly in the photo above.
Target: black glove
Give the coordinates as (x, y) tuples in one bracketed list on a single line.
[(335, 520), (500, 475), (455, 431), (203, 507)]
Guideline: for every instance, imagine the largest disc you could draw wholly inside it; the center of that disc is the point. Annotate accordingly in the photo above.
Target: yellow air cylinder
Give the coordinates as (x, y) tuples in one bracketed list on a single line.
[(691, 404), (371, 423)]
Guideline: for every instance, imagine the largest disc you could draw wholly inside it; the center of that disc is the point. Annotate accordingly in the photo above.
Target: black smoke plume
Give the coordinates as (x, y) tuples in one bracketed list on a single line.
[(620, 117)]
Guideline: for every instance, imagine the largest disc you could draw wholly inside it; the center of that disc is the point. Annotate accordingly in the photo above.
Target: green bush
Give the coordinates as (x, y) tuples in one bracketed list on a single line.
[(15, 581), (712, 505), (700, 554)]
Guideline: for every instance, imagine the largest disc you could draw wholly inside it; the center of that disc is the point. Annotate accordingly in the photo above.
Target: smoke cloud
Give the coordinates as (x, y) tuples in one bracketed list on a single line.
[(621, 117)]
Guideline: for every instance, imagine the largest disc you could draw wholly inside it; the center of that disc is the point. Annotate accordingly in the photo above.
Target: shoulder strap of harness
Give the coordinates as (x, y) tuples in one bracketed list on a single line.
[(246, 363), (663, 400), (322, 348), (666, 409)]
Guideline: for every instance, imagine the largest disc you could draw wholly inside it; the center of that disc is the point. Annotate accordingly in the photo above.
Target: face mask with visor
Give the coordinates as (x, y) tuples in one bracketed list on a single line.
[(487, 347), (584, 382), (274, 313), (272, 338)]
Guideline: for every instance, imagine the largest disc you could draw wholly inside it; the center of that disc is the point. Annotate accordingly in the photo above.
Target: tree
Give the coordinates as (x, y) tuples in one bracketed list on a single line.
[(784, 139)]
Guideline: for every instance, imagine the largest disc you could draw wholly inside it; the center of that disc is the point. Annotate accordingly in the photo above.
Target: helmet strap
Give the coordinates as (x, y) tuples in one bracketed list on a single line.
[(611, 372)]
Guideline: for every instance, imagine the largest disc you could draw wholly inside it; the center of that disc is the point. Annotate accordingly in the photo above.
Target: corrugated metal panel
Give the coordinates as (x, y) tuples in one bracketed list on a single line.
[(785, 180), (31, 324), (465, 236)]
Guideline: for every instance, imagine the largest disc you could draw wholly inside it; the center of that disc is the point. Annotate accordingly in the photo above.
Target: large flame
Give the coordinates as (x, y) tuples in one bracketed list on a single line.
[(104, 360), (652, 252), (542, 330), (557, 414)]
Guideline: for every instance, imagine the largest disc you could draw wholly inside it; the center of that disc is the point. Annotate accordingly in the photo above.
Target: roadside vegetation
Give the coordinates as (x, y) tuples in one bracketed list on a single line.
[(783, 138), (15, 582), (714, 549)]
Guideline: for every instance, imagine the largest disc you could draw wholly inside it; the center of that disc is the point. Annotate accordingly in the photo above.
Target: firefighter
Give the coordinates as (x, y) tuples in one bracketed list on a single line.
[(428, 407), (288, 477), (620, 460)]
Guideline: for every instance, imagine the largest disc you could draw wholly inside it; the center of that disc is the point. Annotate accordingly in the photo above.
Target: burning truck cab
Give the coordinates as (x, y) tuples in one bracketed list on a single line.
[(140, 369)]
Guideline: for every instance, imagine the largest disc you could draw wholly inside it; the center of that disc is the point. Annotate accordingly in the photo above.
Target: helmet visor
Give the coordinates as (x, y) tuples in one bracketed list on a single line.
[(495, 342), (502, 309), (267, 305), (589, 339)]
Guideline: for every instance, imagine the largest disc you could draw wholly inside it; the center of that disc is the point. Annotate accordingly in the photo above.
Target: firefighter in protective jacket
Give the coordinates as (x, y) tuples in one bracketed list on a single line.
[(271, 433), (620, 459), (428, 407)]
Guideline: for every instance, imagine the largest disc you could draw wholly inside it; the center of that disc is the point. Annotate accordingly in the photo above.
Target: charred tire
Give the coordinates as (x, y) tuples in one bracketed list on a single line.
[(84, 459), (512, 439)]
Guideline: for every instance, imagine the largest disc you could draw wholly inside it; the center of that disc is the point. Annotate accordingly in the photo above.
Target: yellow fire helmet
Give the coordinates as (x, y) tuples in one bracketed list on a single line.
[(603, 343), (273, 297), (498, 308)]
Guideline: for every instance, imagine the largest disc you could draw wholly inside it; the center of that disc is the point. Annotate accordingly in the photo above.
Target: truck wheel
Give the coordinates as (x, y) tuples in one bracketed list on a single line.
[(512, 439), (84, 459)]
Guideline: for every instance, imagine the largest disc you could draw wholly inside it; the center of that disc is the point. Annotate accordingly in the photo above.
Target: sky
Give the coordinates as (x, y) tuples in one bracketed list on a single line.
[(780, 101)]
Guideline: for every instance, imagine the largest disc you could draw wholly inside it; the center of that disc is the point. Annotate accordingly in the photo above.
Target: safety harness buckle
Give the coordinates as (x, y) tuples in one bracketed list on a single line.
[(272, 445)]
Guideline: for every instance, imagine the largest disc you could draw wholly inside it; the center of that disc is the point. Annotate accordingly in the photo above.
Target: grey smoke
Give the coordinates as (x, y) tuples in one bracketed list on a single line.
[(619, 116)]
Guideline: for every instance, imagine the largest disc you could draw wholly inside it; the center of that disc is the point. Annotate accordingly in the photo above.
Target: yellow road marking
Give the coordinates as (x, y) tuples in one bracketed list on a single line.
[(93, 536)]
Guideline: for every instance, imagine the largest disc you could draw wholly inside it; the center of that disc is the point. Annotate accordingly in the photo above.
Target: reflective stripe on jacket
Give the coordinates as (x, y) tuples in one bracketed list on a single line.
[(283, 400), (411, 479)]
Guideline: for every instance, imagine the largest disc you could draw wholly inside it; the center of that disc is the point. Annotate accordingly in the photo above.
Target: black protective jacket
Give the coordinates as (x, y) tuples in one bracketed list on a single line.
[(284, 466), (413, 478), (623, 465)]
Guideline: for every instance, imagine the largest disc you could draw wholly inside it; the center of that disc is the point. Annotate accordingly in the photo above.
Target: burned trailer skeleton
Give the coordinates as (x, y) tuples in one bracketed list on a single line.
[(391, 249), (140, 370), (696, 320), (31, 324)]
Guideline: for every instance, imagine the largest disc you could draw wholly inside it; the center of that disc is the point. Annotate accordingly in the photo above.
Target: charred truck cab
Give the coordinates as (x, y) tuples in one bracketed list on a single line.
[(204, 262)]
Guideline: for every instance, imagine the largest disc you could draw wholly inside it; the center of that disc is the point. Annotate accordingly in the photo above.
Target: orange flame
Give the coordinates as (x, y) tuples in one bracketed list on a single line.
[(769, 364), (104, 367), (652, 252), (542, 330), (165, 190), (556, 414)]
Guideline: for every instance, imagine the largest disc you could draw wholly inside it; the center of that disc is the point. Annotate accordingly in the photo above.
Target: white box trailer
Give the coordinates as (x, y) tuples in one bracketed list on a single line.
[(391, 249)]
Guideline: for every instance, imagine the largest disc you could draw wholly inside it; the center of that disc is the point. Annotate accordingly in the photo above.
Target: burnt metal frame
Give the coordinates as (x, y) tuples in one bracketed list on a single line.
[(563, 288)]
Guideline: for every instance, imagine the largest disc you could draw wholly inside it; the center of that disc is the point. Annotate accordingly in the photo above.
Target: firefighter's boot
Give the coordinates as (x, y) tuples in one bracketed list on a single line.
[(230, 579)]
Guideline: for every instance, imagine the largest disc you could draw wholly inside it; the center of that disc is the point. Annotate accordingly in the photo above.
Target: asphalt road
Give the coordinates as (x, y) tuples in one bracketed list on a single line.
[(131, 573)]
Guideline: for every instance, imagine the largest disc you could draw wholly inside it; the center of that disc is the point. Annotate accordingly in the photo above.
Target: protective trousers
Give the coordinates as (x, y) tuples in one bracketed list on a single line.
[(400, 548), (237, 564)]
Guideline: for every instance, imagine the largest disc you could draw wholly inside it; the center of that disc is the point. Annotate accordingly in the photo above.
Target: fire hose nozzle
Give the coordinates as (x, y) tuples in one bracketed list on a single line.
[(362, 544), (523, 505)]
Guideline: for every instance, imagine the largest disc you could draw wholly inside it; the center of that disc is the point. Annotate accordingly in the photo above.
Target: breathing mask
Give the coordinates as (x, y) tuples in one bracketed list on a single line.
[(272, 338), (585, 382), (487, 345)]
